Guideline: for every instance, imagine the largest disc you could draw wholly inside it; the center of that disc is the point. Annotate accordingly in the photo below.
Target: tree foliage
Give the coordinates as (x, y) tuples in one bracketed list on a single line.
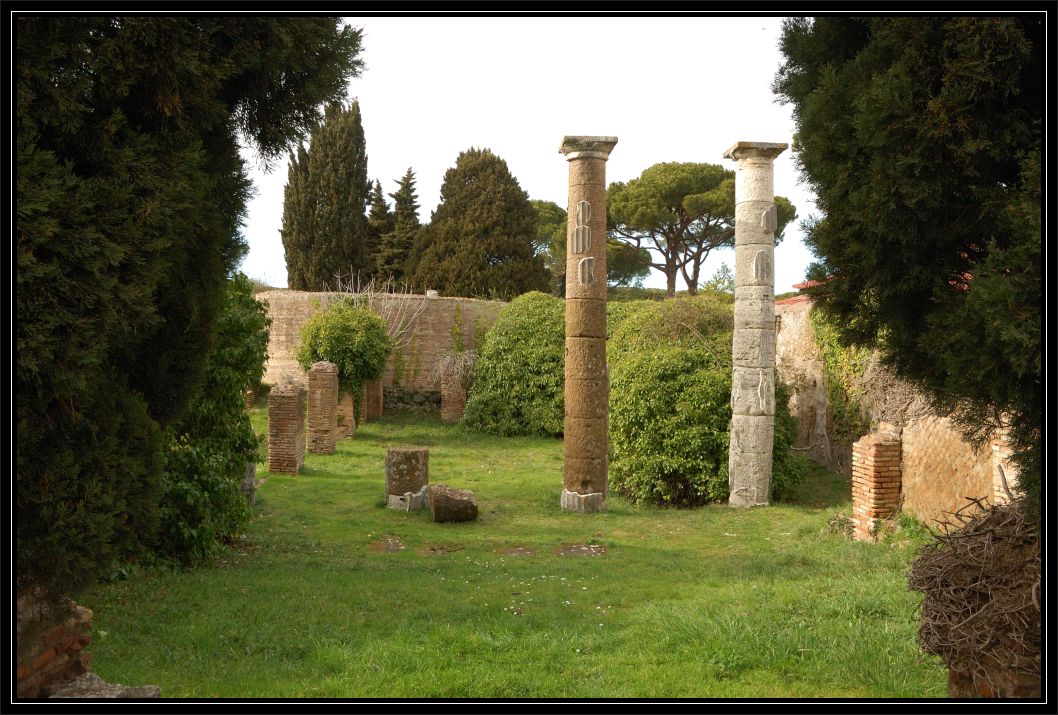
[(681, 212), (921, 139), (352, 337), (625, 264), (396, 248), (208, 448), (130, 191), (479, 242), (380, 223), (326, 232)]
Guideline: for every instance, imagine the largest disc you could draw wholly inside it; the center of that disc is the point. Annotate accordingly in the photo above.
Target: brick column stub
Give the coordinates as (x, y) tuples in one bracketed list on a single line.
[(286, 429), (876, 483), (322, 408)]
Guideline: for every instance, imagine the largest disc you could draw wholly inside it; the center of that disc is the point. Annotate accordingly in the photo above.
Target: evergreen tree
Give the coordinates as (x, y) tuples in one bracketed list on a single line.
[(681, 212), (921, 138), (397, 244), (380, 223), (479, 242), (326, 233), (130, 192)]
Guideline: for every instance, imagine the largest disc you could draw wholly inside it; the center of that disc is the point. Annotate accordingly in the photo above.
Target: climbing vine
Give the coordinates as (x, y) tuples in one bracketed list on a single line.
[(843, 369)]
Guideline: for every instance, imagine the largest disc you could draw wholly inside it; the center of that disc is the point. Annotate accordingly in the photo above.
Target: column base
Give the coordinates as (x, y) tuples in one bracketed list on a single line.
[(583, 503), (746, 497)]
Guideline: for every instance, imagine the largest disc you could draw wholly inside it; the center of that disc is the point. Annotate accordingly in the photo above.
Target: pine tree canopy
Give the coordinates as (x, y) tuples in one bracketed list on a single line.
[(479, 242), (921, 139), (130, 192), (680, 211), (326, 233), (625, 265)]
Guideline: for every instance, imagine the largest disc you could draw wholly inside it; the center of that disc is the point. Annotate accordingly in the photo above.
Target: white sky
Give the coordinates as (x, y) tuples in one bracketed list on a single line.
[(670, 89)]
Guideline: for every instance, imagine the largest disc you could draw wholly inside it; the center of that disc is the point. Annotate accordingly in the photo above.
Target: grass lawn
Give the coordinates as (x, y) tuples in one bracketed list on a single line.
[(706, 603)]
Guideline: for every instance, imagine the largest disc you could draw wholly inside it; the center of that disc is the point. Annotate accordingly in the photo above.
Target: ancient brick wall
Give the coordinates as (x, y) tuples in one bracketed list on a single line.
[(411, 367), (51, 648), (939, 469)]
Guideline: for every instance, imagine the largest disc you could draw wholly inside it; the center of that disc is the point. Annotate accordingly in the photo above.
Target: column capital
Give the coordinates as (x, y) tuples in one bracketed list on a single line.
[(764, 150), (587, 147)]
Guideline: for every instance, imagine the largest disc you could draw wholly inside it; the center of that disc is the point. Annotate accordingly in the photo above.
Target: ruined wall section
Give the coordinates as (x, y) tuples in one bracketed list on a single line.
[(940, 470), (411, 368)]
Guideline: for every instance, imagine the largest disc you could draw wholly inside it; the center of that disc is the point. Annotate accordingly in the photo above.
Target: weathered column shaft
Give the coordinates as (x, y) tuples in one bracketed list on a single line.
[(753, 348), (586, 378)]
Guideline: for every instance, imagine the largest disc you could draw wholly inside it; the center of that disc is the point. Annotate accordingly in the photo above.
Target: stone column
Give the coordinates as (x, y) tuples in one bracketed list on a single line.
[(587, 383), (753, 349), (323, 407), (407, 478)]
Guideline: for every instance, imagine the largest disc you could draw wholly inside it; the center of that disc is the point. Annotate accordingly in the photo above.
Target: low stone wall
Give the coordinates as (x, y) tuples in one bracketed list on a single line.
[(940, 470), (412, 400), (410, 367)]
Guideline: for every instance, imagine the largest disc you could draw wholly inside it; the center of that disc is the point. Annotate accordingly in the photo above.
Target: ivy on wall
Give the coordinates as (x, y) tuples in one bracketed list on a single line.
[(843, 369)]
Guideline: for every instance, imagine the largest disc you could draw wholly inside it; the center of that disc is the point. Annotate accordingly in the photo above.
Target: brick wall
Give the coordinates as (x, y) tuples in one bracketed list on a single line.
[(431, 335), (51, 648), (939, 469)]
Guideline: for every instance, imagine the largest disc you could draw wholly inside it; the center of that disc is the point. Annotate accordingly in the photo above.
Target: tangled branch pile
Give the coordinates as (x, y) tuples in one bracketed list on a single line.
[(981, 611)]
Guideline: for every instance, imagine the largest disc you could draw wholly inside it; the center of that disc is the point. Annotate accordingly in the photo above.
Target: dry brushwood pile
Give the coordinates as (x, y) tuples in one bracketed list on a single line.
[(981, 611)]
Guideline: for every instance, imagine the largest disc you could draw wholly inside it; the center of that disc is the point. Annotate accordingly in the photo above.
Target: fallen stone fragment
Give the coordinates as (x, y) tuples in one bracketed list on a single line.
[(447, 504)]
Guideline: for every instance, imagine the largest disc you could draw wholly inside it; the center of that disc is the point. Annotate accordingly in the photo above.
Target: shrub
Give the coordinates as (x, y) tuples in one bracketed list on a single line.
[(207, 449), (670, 409), (518, 382), (669, 415), (353, 338)]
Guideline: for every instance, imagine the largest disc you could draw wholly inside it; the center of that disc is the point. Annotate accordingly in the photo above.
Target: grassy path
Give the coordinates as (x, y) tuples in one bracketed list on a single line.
[(705, 603)]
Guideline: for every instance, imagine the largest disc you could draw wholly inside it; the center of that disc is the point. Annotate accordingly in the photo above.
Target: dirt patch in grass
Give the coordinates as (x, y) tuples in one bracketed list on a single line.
[(580, 550), (387, 545), (438, 549), (516, 551)]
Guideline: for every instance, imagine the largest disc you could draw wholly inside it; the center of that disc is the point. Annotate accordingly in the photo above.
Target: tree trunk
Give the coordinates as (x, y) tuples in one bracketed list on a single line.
[(447, 504), (670, 279)]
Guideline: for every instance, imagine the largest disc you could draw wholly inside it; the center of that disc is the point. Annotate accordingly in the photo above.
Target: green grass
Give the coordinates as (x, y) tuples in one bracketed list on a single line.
[(707, 603)]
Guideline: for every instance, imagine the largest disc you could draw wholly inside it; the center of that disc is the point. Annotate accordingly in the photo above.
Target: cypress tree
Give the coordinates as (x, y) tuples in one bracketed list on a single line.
[(922, 140), (130, 192), (380, 222), (396, 247), (480, 239), (325, 230)]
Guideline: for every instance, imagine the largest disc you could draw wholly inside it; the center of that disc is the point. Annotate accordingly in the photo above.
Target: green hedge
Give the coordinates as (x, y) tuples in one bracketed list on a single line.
[(670, 407), (517, 384)]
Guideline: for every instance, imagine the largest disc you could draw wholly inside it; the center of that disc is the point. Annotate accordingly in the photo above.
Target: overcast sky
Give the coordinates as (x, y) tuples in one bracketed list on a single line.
[(670, 89)]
